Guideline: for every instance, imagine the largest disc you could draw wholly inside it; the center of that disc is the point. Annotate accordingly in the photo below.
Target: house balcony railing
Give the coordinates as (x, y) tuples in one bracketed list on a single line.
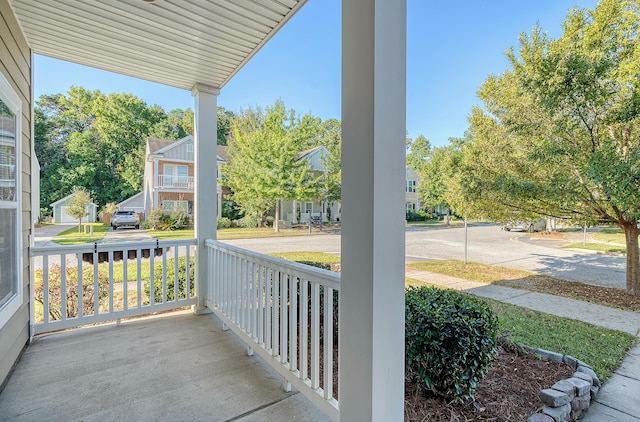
[(175, 182), (85, 284), (284, 311)]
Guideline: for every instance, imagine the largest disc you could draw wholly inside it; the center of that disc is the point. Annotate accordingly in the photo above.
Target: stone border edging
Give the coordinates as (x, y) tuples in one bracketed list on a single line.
[(567, 399)]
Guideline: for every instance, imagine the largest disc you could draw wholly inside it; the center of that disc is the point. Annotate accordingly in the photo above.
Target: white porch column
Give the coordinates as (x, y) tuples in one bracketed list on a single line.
[(373, 179), (205, 187)]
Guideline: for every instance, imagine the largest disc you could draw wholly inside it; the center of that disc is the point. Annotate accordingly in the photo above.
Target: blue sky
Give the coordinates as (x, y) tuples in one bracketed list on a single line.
[(451, 49)]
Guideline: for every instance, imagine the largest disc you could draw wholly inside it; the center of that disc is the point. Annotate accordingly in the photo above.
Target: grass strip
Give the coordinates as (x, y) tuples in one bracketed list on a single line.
[(601, 247), (73, 237)]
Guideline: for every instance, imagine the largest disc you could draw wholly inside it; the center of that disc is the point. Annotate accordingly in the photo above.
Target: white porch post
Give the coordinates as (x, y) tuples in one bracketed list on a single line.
[(205, 187), (373, 178)]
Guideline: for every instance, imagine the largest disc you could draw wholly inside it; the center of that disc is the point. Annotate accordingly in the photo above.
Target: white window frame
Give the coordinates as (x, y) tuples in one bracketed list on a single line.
[(308, 207), (12, 100)]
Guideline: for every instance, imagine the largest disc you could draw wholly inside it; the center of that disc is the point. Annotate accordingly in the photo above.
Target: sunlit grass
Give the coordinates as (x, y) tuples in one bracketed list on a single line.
[(73, 237), (611, 235), (602, 247)]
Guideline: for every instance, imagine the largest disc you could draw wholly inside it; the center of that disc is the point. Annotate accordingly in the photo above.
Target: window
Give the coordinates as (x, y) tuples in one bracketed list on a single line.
[(308, 207), (10, 202), (411, 185), (170, 206)]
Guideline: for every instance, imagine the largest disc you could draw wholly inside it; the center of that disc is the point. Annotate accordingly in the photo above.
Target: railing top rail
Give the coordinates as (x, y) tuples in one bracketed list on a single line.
[(313, 274), (108, 246)]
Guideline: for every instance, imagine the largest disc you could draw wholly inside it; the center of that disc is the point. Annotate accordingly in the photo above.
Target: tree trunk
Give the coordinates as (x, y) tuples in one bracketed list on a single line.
[(633, 255), (276, 224)]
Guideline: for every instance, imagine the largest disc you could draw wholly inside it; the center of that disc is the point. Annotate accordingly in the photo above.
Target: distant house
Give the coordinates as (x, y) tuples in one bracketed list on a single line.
[(412, 201), (134, 203), (169, 175), (60, 214), (300, 211)]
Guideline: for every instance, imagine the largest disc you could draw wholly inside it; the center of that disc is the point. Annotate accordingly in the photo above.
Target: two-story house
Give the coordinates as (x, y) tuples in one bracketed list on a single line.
[(412, 201), (169, 174)]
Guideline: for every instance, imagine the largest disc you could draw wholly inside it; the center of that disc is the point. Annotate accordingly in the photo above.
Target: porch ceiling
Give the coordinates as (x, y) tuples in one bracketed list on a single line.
[(172, 42)]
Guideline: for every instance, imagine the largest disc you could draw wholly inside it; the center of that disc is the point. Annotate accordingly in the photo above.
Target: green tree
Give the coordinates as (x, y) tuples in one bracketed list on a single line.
[(78, 205), (558, 135), (419, 153), (263, 168)]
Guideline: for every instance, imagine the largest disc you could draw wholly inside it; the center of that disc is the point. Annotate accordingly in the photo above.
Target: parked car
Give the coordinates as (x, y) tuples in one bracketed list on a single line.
[(537, 225), (125, 219)]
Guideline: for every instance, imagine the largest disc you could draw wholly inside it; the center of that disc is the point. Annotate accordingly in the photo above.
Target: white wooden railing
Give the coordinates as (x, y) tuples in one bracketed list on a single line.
[(98, 282), (286, 312), (171, 181)]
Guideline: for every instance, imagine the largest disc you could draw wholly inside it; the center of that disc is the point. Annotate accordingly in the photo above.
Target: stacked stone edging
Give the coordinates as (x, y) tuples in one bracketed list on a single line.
[(567, 399)]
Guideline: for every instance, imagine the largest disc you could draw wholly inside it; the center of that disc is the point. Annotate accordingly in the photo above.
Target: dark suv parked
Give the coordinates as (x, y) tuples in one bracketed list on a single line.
[(125, 218)]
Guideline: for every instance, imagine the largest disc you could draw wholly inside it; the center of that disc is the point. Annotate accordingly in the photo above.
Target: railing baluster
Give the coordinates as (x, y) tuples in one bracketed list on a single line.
[(96, 284), (284, 287), (176, 282), (293, 323), (327, 363), (315, 336), (45, 287), (304, 328), (80, 287), (268, 308), (164, 274), (63, 287), (139, 273), (261, 304), (152, 277), (275, 326), (125, 280), (252, 301), (188, 273), (111, 293)]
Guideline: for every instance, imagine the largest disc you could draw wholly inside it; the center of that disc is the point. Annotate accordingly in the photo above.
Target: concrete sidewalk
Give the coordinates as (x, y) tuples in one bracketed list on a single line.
[(617, 400)]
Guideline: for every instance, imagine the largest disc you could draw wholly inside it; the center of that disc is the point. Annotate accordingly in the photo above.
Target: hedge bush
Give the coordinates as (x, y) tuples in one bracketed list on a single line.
[(450, 341), (224, 223), (170, 269)]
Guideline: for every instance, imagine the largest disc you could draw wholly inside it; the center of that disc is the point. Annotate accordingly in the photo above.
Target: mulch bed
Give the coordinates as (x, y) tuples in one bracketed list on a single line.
[(509, 392)]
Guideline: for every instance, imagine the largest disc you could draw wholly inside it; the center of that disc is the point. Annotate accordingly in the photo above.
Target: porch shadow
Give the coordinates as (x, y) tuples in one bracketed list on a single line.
[(175, 366)]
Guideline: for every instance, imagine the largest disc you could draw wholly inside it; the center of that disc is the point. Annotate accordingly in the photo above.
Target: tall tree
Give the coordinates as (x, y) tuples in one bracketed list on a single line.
[(263, 168), (558, 135)]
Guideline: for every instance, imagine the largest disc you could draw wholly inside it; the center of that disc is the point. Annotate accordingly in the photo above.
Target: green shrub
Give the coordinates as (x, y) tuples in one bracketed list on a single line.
[(231, 210), (450, 341), (178, 220), (224, 223), (269, 220), (182, 278), (248, 222), (417, 216)]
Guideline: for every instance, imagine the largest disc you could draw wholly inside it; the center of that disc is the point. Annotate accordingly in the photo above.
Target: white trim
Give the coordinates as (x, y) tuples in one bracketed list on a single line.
[(12, 100)]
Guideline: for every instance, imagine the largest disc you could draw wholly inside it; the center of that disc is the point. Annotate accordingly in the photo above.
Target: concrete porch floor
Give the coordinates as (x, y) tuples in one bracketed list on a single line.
[(171, 367)]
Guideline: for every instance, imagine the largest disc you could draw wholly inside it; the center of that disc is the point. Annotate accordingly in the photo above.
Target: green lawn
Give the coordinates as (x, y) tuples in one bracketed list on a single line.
[(610, 235), (72, 237), (603, 247), (471, 271)]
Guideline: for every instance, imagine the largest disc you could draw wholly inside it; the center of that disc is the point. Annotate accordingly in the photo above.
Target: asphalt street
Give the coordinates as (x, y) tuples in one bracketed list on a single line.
[(487, 244)]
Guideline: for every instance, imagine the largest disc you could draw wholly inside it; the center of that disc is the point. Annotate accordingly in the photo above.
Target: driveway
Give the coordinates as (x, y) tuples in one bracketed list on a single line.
[(43, 235), (126, 235)]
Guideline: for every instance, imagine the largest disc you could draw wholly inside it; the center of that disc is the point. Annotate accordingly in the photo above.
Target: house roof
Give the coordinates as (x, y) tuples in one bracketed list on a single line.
[(308, 152), (160, 146), (172, 42), (136, 200), (53, 204)]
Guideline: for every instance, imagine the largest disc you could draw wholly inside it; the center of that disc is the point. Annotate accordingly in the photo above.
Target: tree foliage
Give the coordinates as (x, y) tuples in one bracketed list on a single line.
[(78, 205), (263, 163), (558, 134)]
